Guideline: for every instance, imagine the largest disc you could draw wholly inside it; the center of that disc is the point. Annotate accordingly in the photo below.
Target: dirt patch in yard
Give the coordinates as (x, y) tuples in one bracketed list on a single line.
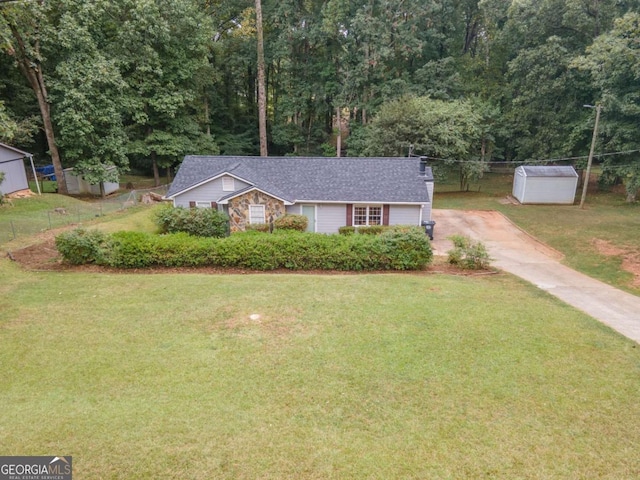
[(630, 257), (39, 256)]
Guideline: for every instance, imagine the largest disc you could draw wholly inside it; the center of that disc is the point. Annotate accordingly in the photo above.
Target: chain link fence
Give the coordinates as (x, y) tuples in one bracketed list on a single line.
[(17, 226)]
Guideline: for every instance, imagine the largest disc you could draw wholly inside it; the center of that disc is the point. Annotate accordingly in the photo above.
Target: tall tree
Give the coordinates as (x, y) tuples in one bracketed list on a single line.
[(544, 96), (448, 132), (162, 48), (547, 98), (233, 64), (87, 89), (21, 28), (262, 91), (614, 64)]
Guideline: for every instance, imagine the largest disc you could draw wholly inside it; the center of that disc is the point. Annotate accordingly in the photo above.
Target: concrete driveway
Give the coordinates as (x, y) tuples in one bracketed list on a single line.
[(516, 252)]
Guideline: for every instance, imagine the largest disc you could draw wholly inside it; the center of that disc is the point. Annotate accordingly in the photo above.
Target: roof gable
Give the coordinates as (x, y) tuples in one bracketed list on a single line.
[(201, 181), (248, 189), (317, 179), (12, 152)]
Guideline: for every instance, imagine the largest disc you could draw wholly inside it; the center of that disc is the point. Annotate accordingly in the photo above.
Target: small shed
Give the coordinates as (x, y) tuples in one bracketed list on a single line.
[(545, 184), (12, 164), (78, 185)]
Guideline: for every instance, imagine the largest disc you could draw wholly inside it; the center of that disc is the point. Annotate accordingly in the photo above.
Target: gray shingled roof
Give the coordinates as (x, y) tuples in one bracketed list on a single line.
[(549, 171), (331, 179)]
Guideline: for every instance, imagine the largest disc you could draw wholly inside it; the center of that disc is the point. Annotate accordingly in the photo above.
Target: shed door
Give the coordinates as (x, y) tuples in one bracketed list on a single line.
[(309, 211)]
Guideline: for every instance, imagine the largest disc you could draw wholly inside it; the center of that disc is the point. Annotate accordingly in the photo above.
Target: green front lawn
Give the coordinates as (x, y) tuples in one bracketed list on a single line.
[(46, 186), (340, 376), (24, 218)]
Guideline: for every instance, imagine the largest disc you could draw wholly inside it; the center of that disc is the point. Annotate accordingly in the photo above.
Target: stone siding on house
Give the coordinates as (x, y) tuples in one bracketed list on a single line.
[(239, 209)]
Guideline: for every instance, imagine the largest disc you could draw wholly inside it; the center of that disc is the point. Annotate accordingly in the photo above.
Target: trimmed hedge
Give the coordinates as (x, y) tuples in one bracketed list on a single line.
[(80, 246), (372, 229), (257, 227), (347, 230), (292, 222), (395, 249), (368, 230), (202, 222)]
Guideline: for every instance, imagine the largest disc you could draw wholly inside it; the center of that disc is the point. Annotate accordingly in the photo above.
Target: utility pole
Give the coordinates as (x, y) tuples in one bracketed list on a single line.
[(593, 146)]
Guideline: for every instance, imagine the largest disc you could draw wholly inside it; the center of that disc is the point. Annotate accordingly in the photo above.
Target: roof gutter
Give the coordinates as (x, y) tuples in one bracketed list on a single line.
[(367, 202)]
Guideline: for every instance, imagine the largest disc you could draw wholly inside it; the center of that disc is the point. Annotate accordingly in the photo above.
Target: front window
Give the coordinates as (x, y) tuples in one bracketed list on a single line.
[(203, 204), (256, 214), (365, 215)]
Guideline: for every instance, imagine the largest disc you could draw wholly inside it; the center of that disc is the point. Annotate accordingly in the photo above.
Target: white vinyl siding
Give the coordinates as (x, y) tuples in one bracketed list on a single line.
[(426, 213), (228, 184), (549, 190), (545, 184), (329, 216), (15, 177), (256, 214), (404, 214)]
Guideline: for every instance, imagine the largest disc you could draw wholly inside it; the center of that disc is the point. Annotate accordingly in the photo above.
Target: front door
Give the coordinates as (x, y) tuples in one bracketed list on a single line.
[(309, 211)]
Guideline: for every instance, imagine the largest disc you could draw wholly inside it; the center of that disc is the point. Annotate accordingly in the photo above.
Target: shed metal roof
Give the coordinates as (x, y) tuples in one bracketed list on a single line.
[(548, 171), (330, 179)]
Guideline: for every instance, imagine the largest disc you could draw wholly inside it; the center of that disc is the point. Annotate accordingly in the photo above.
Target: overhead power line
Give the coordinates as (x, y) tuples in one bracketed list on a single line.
[(547, 160)]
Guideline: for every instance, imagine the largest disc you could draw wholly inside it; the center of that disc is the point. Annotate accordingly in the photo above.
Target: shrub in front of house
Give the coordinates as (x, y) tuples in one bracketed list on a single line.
[(81, 247), (291, 222), (468, 254), (406, 247), (362, 230), (257, 227), (202, 222), (132, 250), (371, 229), (393, 250), (348, 230)]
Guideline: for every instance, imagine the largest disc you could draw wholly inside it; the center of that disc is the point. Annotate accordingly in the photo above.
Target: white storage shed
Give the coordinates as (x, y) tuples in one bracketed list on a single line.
[(545, 184), (78, 185)]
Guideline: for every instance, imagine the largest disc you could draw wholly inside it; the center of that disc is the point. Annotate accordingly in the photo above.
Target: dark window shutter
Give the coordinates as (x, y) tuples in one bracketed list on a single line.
[(214, 205), (385, 215), (349, 214), (192, 204)]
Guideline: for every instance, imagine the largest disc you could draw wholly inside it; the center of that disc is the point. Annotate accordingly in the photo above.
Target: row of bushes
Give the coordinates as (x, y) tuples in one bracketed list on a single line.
[(209, 222), (395, 249)]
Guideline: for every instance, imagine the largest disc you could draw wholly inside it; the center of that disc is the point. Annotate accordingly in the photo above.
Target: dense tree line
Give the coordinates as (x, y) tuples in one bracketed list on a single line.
[(140, 83)]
